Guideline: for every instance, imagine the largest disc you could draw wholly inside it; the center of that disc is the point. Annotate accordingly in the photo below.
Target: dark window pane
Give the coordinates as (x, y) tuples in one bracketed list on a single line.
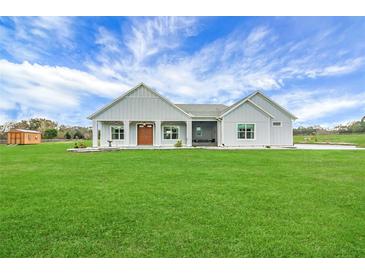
[(241, 135)]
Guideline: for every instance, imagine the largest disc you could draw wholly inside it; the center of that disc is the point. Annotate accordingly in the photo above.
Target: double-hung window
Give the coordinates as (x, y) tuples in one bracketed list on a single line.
[(245, 131), (117, 132), (170, 132)]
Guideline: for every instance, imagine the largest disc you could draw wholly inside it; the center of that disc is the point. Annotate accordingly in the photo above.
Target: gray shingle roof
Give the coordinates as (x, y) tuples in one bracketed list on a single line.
[(203, 109)]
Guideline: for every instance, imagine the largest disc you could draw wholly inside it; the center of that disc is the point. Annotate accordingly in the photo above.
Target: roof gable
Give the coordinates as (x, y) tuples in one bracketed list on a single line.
[(273, 103), (130, 93), (241, 102), (249, 98)]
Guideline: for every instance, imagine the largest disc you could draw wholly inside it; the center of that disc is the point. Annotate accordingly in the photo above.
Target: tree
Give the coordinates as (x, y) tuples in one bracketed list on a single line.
[(50, 133), (78, 135), (68, 135), (41, 124)]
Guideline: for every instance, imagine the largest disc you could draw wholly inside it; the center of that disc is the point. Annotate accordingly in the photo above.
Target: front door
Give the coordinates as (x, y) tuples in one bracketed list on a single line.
[(145, 134)]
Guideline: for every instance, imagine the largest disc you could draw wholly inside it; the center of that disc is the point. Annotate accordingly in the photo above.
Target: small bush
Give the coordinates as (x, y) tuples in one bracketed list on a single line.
[(79, 145), (178, 143)]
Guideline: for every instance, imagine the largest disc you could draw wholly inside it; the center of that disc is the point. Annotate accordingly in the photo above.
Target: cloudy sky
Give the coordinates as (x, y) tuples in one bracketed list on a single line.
[(64, 68)]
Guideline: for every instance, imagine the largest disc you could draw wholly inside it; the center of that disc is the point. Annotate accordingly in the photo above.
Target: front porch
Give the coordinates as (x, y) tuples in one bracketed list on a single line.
[(152, 133), (141, 133)]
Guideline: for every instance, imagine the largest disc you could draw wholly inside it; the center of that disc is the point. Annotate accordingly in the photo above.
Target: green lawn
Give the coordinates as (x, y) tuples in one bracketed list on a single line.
[(181, 203), (356, 139)]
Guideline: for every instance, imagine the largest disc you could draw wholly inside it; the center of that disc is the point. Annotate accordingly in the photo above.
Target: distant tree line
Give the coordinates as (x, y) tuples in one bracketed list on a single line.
[(49, 129), (352, 127)]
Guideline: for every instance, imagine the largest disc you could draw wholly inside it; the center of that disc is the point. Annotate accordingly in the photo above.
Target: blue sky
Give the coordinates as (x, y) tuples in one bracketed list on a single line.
[(64, 68)]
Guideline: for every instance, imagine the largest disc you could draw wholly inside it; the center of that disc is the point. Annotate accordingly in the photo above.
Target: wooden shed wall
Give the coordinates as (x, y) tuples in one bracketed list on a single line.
[(23, 138)]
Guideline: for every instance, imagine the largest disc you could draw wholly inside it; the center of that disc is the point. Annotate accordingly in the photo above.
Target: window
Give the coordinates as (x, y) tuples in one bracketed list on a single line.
[(117, 133), (171, 132), (246, 131), (276, 124), (198, 131)]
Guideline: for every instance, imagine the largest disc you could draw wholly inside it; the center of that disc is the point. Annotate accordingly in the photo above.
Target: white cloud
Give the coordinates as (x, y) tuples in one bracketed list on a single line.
[(311, 105), (30, 37), (34, 88), (233, 65), (107, 40), (150, 36), (340, 68)]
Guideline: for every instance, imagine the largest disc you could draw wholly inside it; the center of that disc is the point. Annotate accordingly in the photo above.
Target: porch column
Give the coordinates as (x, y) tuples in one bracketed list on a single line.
[(189, 132), (126, 132), (222, 130), (95, 133), (158, 133), (219, 133)]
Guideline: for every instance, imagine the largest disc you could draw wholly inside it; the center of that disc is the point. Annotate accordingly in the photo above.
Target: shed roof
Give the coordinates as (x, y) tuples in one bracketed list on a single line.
[(203, 109), (24, 130)]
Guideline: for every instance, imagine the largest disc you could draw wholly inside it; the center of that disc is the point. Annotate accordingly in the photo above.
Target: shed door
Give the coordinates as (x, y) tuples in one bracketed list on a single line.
[(145, 134)]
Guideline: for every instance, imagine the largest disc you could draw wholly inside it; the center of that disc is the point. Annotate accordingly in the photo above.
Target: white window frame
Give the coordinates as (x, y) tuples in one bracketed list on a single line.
[(245, 139), (281, 123), (170, 126), (111, 133)]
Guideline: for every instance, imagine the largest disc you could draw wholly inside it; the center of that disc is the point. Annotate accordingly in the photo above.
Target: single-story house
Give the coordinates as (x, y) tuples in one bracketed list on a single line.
[(143, 117)]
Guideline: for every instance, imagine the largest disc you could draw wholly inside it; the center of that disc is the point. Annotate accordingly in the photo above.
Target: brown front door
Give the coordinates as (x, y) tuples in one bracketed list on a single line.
[(145, 134)]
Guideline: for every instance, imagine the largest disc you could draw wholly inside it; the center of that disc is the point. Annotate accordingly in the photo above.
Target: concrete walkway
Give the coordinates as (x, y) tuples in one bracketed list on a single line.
[(325, 147)]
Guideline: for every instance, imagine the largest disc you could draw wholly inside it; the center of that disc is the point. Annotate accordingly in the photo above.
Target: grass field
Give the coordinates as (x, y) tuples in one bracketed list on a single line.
[(356, 139), (181, 203)]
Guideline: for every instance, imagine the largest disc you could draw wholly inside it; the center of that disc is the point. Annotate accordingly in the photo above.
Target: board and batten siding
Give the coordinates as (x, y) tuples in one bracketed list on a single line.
[(105, 128), (142, 105), (282, 135), (182, 133), (105, 134), (246, 113)]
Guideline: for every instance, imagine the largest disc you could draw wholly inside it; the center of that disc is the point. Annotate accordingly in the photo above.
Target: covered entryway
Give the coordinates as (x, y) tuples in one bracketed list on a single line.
[(204, 133), (145, 134)]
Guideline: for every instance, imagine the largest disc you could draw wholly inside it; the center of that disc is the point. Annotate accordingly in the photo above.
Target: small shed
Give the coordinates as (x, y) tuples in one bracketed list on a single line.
[(23, 137)]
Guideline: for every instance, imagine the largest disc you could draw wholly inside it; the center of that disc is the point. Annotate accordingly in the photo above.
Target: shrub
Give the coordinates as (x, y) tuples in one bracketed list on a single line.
[(79, 144), (78, 135), (68, 135), (178, 143)]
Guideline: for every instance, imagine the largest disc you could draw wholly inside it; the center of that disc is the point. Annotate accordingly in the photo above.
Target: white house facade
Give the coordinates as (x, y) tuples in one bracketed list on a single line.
[(142, 117)]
